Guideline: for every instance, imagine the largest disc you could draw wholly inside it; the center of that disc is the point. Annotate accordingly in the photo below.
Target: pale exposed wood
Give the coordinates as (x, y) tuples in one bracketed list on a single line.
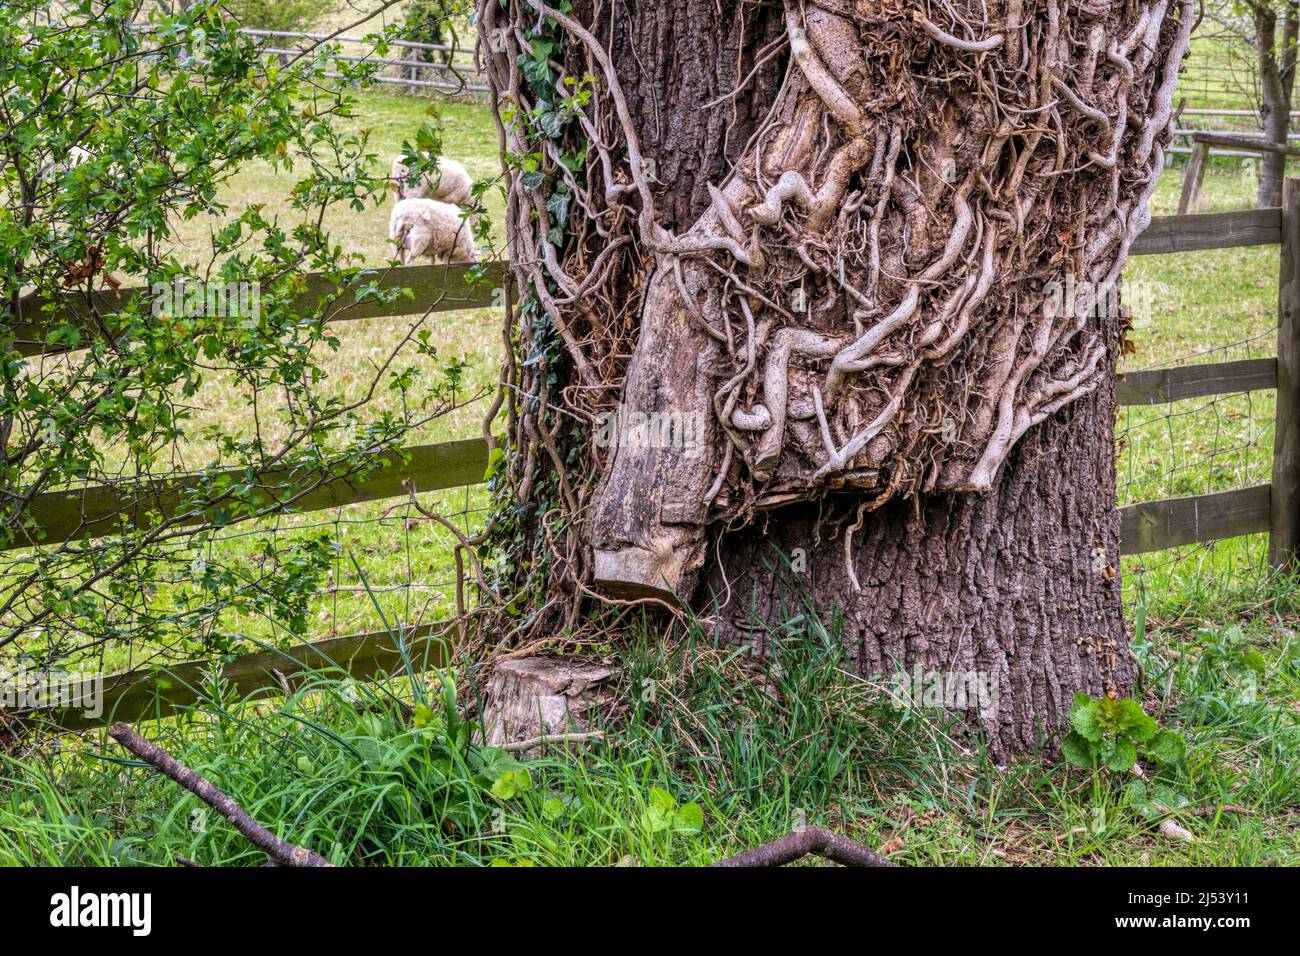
[(1211, 230), (151, 693), (1157, 386), (1171, 522), (435, 288), (527, 700), (1284, 523), (99, 510), (1193, 176)]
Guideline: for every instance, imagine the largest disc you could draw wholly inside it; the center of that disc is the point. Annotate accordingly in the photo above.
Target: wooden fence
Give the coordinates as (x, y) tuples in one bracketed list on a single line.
[(429, 66), (1147, 526)]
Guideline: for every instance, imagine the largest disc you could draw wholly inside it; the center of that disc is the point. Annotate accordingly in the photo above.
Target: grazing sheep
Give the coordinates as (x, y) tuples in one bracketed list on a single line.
[(427, 227), (451, 183)]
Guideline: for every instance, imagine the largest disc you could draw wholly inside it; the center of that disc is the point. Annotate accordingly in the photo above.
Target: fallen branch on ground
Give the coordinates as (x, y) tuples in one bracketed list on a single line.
[(532, 742), (280, 852), (802, 841)]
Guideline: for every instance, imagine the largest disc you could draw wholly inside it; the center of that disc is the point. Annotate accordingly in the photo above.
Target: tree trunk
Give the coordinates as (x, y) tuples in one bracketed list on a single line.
[(1016, 592), (823, 280), (1277, 62)]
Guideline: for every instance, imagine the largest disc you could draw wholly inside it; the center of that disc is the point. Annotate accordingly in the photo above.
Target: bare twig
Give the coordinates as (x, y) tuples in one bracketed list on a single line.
[(280, 852), (552, 739)]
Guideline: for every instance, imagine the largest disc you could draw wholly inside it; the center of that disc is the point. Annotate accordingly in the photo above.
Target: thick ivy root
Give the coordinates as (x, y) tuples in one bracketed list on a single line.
[(917, 186), (835, 253)]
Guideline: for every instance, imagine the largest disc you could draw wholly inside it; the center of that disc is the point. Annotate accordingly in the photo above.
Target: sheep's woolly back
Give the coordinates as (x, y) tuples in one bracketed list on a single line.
[(452, 183), (428, 227)]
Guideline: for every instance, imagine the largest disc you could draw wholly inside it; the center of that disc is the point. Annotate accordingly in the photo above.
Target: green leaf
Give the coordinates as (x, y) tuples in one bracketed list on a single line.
[(494, 762), (689, 819), (1168, 798), (1134, 721), (512, 783), (1119, 756), (552, 809), (1168, 747), (1085, 718), (494, 457), (1077, 750), (424, 716), (661, 813), (1254, 660)]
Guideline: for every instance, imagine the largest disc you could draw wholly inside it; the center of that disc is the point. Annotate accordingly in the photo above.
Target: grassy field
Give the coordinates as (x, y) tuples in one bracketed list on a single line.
[(377, 776)]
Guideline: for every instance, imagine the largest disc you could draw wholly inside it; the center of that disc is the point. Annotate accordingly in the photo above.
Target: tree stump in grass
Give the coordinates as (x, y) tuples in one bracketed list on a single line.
[(533, 697)]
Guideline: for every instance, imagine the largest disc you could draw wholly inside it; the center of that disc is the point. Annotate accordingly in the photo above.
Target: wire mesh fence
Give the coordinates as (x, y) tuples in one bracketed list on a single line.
[(1197, 446)]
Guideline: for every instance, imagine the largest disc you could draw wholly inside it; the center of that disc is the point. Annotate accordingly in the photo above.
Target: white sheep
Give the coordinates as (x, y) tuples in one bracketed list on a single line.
[(77, 155), (427, 227), (451, 183)]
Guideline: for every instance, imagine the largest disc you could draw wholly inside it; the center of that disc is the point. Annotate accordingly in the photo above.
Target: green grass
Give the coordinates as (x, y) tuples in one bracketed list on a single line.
[(374, 774)]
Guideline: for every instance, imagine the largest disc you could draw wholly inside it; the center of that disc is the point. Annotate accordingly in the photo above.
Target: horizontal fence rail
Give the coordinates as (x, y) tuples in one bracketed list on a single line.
[(100, 510), (434, 289), (1211, 230), (1173, 522), (1159, 386), (458, 72), (150, 693), (1146, 526)]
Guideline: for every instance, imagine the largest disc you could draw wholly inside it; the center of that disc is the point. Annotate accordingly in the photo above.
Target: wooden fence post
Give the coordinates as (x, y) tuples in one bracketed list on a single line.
[(1192, 177), (1284, 504)]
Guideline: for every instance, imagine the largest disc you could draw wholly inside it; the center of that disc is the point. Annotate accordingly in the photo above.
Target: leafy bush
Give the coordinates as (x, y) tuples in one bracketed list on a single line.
[(120, 133), (1114, 733)]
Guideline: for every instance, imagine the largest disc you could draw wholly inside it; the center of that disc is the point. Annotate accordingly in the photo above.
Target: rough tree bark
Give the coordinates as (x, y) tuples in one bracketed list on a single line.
[(820, 258), (1276, 56)]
